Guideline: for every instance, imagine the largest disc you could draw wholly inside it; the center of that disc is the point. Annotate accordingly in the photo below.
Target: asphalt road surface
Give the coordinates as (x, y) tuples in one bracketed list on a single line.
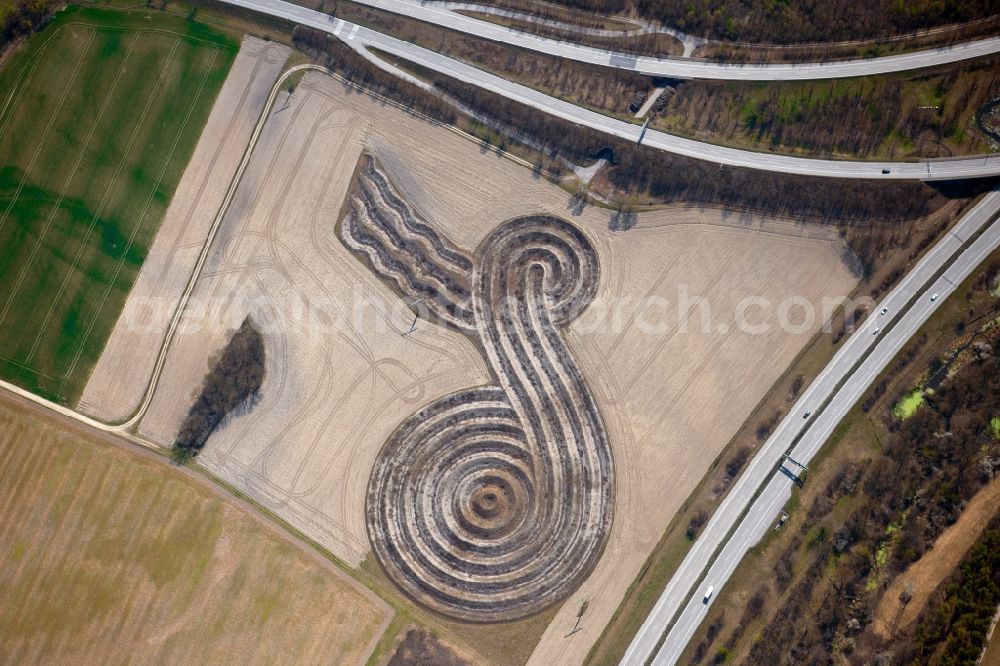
[(897, 326), (679, 67), (359, 36)]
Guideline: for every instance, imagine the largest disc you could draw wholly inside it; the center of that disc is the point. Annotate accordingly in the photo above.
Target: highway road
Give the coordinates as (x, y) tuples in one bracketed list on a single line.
[(361, 37), (828, 397), (880, 349), (679, 67)]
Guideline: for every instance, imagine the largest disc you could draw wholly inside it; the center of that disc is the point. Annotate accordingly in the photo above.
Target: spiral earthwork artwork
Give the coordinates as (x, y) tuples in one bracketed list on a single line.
[(494, 502)]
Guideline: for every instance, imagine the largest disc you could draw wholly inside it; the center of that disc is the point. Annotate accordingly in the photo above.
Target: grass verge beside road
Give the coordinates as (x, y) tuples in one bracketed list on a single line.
[(785, 22), (658, 44), (926, 113), (101, 112), (901, 116)]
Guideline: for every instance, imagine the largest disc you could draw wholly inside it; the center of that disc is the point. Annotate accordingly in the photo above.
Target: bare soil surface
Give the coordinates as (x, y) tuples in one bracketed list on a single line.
[(670, 397), (119, 379), (671, 401), (991, 655)]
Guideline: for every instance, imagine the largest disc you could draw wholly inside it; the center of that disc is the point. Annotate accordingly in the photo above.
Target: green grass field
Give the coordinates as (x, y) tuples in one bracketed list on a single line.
[(99, 115)]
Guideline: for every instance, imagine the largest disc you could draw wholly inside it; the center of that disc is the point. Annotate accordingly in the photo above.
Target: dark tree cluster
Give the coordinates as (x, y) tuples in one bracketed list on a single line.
[(674, 178), (943, 454), (665, 178), (421, 647), (766, 426), (751, 612), (785, 22), (784, 641), (988, 120), (697, 521), (955, 628), (736, 463), (987, 280), (623, 219), (717, 625), (23, 17), (233, 382), (843, 484)]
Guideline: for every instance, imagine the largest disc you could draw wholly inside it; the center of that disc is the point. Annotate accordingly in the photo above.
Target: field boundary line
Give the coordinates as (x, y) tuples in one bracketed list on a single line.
[(22, 80), (33, 61), (13, 361), (26, 268), (206, 248), (105, 26)]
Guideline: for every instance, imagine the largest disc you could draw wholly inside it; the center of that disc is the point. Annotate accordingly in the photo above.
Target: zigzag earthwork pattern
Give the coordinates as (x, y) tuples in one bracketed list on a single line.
[(494, 502)]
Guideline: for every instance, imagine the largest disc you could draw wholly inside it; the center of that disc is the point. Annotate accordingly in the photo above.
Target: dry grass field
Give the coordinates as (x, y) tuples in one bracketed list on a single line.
[(991, 655), (927, 113), (111, 556), (337, 386)]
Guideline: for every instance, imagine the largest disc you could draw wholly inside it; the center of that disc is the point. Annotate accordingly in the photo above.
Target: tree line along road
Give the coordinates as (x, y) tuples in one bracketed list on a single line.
[(683, 68), (360, 38)]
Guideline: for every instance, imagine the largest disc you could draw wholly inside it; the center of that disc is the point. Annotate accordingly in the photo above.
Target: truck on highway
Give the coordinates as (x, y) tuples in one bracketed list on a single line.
[(708, 594)]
